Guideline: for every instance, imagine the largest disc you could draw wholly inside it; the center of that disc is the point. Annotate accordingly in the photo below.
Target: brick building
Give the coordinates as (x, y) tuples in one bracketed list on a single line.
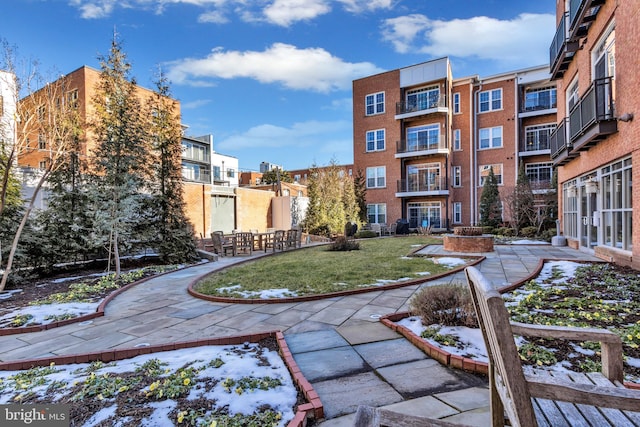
[(594, 59), (427, 140)]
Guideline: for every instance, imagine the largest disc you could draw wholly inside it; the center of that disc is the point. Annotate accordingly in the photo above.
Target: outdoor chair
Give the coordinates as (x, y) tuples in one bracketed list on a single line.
[(222, 244), (276, 242), (376, 229), (549, 398), (368, 416), (244, 242), (291, 239)]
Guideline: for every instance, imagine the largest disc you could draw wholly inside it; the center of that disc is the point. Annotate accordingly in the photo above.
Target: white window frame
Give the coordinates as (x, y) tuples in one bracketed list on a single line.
[(379, 213), (372, 100), (457, 212), (456, 176), (491, 138), (423, 98), (456, 103), (532, 170), (493, 96), (484, 168), (538, 135), (457, 143), (378, 137), (421, 138), (377, 177)]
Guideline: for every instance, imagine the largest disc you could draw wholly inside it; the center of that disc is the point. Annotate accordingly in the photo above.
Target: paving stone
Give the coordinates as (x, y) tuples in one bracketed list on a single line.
[(476, 418), (427, 406), (389, 352), (330, 363), (343, 395), (316, 340), (420, 377), (365, 332), (289, 317), (332, 315), (466, 399)]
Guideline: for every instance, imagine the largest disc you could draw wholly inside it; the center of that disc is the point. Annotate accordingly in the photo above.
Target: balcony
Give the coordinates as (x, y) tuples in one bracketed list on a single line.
[(195, 176), (560, 145), (582, 13), (562, 49), (415, 187), (431, 105), (592, 119), (421, 147)]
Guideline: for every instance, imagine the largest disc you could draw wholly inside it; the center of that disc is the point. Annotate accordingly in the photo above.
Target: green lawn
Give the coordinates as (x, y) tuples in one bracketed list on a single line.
[(317, 270)]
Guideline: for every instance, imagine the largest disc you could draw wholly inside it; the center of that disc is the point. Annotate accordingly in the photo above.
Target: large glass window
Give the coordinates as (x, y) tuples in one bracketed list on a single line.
[(457, 145), (377, 213), (457, 212), (423, 98), (421, 138), (376, 177), (537, 137), (542, 98), (570, 209), (456, 176), (539, 174), (424, 214), (374, 103), (497, 171), (456, 103), (375, 140), (617, 205), (491, 100), (490, 137), (424, 177)]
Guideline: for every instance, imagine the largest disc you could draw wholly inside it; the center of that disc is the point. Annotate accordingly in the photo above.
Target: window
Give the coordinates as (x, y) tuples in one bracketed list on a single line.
[(570, 209), (231, 173), (422, 138), (538, 173), (537, 137), (423, 98), (456, 103), (617, 204), (72, 97), (456, 140), (572, 94), (42, 143), (216, 173), (376, 177), (41, 112), (456, 176), (296, 178), (491, 100), (42, 164), (424, 214), (497, 171), (377, 213), (457, 212), (604, 55), (374, 103), (424, 177), (542, 98), (375, 140), (490, 137)]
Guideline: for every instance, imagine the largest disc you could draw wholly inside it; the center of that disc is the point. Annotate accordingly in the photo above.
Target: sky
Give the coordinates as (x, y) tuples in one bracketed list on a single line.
[(271, 80)]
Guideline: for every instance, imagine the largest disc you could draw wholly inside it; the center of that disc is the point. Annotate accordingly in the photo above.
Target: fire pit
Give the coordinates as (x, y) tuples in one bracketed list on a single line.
[(468, 239)]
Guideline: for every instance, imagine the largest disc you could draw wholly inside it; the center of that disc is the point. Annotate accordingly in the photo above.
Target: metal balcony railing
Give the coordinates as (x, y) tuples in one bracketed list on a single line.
[(595, 106), (431, 103), (562, 49), (422, 145), (558, 139), (417, 185)]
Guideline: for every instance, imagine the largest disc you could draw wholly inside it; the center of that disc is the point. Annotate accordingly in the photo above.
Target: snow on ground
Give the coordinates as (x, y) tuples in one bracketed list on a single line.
[(48, 313), (527, 242), (235, 290), (237, 364), (450, 262)]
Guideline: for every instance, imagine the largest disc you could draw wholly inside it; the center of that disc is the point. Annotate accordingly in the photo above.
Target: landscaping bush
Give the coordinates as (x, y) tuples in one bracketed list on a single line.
[(487, 230), (505, 231), (365, 234), (529, 231), (546, 235), (447, 305), (343, 244)]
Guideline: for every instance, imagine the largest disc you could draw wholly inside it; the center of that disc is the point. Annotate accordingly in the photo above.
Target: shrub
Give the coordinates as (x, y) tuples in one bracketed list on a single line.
[(505, 231), (365, 234), (487, 230), (448, 305), (343, 244), (548, 234), (529, 231)]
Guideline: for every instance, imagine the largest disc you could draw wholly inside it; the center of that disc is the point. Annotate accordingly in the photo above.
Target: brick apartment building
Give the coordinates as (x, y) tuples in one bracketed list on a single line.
[(594, 59), (427, 140)]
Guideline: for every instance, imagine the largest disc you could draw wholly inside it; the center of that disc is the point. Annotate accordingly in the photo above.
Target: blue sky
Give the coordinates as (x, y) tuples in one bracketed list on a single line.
[(271, 79)]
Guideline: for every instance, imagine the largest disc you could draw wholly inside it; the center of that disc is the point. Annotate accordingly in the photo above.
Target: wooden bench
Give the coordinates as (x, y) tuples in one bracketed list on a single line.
[(367, 416), (549, 398)]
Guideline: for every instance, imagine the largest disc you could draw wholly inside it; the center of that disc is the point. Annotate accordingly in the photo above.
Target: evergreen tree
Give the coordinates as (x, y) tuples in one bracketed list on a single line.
[(360, 189), (122, 157), (521, 201), (175, 238), (271, 176), (490, 209)]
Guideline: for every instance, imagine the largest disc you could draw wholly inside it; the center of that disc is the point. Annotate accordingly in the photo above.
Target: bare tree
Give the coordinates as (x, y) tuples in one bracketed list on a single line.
[(47, 124)]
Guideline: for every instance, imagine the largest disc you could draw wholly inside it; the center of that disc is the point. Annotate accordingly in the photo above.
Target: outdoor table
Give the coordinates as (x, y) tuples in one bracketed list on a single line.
[(262, 238)]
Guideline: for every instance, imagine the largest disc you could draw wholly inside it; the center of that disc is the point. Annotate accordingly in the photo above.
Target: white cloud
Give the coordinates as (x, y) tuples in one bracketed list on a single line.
[(309, 133), (286, 12), (194, 104), (94, 9), (213, 17), (524, 39), (358, 6), (312, 69)]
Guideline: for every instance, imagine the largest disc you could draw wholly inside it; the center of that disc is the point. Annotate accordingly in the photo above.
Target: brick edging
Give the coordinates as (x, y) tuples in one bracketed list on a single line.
[(400, 284), (312, 409)]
